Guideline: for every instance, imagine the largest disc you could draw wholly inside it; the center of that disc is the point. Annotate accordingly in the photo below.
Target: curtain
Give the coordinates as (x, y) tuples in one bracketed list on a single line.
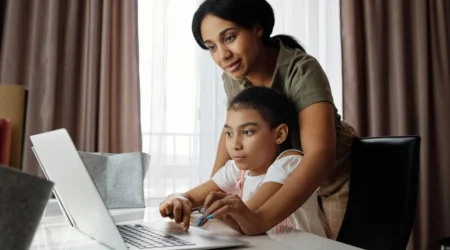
[(182, 96), (396, 81), (79, 61)]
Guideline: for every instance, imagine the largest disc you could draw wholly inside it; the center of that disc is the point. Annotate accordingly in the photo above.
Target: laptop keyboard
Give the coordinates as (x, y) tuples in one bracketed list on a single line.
[(143, 237)]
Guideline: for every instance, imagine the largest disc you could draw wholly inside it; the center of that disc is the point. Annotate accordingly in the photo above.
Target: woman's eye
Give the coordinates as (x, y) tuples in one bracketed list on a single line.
[(248, 132), (211, 48), (228, 134), (229, 38)]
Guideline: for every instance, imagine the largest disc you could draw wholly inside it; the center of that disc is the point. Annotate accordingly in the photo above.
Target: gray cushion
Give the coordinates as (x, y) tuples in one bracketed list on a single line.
[(119, 178)]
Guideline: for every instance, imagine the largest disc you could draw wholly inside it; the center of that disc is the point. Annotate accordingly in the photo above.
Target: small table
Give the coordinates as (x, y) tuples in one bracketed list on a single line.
[(55, 233)]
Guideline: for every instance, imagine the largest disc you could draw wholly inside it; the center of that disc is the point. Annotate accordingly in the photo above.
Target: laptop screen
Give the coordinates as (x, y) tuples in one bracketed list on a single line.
[(78, 194)]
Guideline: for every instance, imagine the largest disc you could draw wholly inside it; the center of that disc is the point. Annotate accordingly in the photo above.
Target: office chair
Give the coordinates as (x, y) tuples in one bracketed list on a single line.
[(383, 193)]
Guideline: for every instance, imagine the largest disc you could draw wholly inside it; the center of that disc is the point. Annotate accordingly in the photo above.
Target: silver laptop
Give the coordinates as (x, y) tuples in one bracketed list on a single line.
[(81, 201)]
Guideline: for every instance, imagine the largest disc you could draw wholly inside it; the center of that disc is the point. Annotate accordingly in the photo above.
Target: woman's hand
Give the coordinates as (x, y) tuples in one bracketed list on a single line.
[(178, 208), (232, 210)]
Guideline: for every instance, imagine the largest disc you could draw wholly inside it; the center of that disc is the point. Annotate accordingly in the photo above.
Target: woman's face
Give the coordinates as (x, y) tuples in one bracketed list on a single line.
[(233, 48)]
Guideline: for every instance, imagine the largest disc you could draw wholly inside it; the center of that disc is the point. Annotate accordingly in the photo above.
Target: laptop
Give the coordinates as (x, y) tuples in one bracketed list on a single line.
[(82, 203)]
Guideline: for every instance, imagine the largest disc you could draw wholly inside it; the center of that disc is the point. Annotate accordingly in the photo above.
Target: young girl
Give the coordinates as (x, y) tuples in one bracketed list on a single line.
[(257, 126)]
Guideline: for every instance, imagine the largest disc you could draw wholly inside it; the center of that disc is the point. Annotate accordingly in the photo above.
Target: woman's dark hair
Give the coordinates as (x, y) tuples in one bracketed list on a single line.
[(274, 108), (245, 13)]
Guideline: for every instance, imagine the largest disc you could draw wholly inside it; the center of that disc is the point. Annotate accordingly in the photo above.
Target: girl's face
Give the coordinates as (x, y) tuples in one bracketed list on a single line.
[(250, 141), (233, 48)]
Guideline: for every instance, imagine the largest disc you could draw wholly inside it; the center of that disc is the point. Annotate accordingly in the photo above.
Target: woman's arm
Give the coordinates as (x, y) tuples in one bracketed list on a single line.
[(222, 155), (318, 138)]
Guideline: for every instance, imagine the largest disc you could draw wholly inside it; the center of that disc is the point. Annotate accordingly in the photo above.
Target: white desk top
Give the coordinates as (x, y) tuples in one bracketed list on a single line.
[(55, 233)]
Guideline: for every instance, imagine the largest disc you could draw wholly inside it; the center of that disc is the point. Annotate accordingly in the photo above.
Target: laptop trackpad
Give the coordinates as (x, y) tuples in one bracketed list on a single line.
[(201, 238)]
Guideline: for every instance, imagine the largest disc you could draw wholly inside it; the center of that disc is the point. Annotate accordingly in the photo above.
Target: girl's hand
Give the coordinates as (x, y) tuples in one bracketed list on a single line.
[(178, 208), (232, 210)]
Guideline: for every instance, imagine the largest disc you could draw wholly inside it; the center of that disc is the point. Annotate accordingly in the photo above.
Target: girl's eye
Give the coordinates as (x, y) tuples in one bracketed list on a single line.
[(248, 132), (228, 134), (230, 38)]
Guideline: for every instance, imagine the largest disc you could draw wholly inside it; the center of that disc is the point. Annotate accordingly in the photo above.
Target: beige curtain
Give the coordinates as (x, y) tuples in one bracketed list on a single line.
[(79, 61), (396, 67)]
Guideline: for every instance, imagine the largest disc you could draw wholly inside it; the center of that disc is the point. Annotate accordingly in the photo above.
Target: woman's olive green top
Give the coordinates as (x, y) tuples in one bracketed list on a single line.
[(301, 78)]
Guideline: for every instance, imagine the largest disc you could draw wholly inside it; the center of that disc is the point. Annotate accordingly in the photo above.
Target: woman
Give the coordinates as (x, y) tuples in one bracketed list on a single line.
[(237, 35)]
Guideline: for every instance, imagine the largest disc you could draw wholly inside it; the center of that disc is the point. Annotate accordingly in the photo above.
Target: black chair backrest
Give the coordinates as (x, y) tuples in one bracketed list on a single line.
[(383, 193)]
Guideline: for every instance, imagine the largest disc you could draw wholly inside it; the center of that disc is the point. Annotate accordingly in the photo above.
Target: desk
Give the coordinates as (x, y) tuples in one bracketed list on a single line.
[(55, 233)]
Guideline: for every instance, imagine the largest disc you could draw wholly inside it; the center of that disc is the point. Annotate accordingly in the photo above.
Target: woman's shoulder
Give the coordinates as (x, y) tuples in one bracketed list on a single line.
[(302, 78), (294, 63)]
